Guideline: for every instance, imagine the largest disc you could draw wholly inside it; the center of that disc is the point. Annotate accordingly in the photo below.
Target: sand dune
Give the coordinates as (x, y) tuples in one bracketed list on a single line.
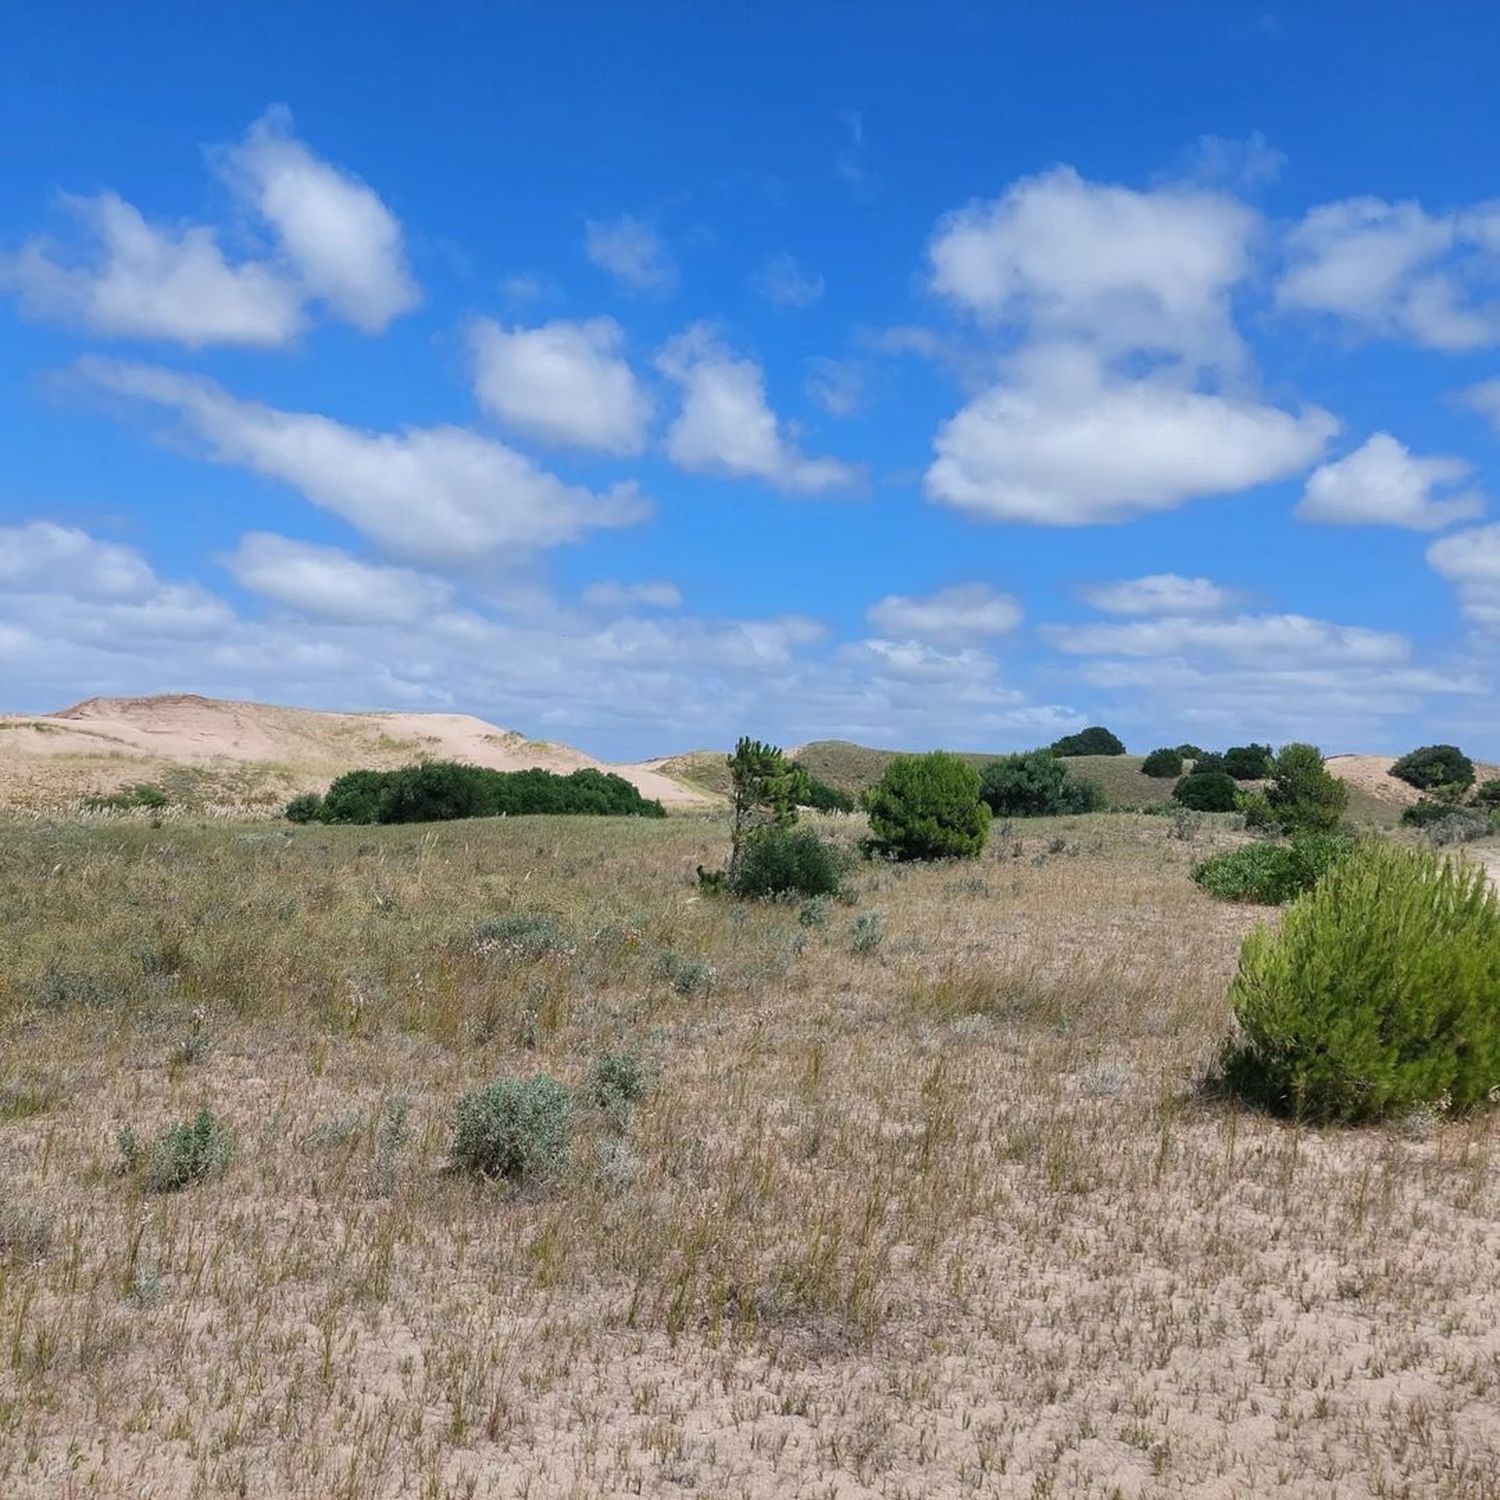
[(256, 751)]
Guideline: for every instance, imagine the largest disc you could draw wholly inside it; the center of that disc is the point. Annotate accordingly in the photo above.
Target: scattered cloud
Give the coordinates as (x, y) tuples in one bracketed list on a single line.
[(329, 584), (725, 425), (1485, 399), (344, 243), (611, 595), (565, 383), (1392, 270), (430, 494), (850, 161), (42, 556), (1471, 560), (837, 385), (1291, 638), (1238, 164), (1074, 449), (962, 612), (149, 281), (786, 283), (1115, 267), (1160, 594), (632, 252), (1381, 484)]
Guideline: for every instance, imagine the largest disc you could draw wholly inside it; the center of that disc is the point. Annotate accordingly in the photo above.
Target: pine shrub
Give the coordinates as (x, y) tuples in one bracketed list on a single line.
[(1270, 874), (928, 807), (788, 862), (516, 1128), (1436, 768), (1303, 794), (1379, 993)]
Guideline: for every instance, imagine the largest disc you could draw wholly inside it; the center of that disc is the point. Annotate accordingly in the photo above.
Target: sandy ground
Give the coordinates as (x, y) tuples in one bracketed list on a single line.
[(103, 743), (1372, 774)]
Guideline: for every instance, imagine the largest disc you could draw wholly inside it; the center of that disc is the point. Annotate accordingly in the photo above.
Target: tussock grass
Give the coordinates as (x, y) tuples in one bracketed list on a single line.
[(948, 1214)]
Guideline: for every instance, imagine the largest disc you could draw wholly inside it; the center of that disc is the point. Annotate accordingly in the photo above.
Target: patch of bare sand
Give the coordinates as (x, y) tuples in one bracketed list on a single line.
[(1372, 774), (102, 743)]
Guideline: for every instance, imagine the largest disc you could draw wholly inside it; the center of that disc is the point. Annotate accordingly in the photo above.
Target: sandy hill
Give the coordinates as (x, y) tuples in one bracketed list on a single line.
[(257, 754)]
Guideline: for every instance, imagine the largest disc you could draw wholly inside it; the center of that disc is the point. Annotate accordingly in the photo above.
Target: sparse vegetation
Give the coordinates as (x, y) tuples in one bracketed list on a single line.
[(183, 1154), (138, 796), (1376, 996), (928, 807)]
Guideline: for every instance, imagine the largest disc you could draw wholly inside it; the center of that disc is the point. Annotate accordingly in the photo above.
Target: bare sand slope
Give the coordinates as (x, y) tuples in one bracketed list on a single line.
[(257, 750), (1372, 774)]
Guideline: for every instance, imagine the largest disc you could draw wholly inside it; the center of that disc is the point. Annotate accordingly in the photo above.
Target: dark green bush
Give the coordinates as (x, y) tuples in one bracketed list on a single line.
[(1487, 794), (789, 861), (516, 1128), (1271, 874), (1426, 812), (183, 1154), (1206, 791), (1248, 762), (1377, 994), (1095, 740), (436, 790), (824, 798), (1436, 767), (308, 808), (928, 807), (1208, 760), (1302, 793), (1164, 764), (138, 795), (1191, 752), (1036, 784)]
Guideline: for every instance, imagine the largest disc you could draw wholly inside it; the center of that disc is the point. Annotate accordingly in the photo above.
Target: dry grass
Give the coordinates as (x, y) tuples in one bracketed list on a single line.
[(939, 1214)]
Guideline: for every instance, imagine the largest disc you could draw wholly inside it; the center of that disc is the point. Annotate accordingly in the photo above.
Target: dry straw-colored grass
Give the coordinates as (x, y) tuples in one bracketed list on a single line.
[(939, 1213)]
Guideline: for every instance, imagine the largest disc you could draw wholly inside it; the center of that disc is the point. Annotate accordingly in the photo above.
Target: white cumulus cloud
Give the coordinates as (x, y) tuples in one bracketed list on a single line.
[(41, 556), (431, 494), (964, 611), (328, 583), (1471, 560), (632, 252), (563, 382), (1160, 594), (1382, 484), (725, 425), (656, 594)]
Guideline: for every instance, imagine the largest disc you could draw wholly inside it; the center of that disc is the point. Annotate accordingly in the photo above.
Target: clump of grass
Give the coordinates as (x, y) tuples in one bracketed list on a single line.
[(25, 1233), (524, 935), (866, 932), (391, 1140), (814, 911), (1270, 874), (515, 1128), (185, 1153), (616, 1081), (688, 976), (62, 989)]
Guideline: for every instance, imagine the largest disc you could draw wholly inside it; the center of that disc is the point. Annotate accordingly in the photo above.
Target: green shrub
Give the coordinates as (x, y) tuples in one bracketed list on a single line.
[(789, 861), (1487, 794), (1190, 752), (516, 1128), (1303, 794), (183, 1154), (928, 807), (1163, 764), (1379, 993), (1248, 762), (1036, 784), (1426, 812), (308, 808), (140, 794), (616, 1081), (1270, 874), (1436, 767), (1206, 791), (1095, 740), (1208, 760), (821, 797), (1462, 825)]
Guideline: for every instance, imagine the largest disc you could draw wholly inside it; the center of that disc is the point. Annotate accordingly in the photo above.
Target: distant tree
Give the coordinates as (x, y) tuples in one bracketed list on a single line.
[(1036, 784), (1302, 793), (765, 789), (1248, 762), (1163, 764), (1208, 760), (1190, 752), (1095, 740), (928, 807), (1436, 768), (1206, 791)]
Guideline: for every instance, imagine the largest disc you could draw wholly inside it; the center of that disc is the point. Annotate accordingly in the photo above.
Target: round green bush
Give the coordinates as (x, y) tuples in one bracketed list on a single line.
[(1434, 767), (516, 1128), (1037, 784), (1270, 874), (1206, 791), (1096, 740), (1379, 992), (928, 807), (1303, 794), (789, 861), (1163, 764), (1248, 762), (307, 808)]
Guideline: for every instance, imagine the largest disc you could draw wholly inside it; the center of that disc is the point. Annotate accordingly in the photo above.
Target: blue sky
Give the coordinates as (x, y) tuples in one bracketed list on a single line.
[(641, 376)]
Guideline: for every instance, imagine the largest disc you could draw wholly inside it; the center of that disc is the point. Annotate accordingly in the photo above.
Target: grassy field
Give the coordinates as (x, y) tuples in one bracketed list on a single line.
[(925, 1200)]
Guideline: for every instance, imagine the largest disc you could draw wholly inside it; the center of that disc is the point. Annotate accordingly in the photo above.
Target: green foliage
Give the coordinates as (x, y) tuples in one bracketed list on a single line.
[(928, 807), (1436, 768), (1163, 764), (616, 1081), (1487, 794), (1208, 760), (1095, 740), (1302, 792), (308, 808), (1426, 812), (183, 1154), (438, 790), (765, 789), (1271, 874), (1379, 993), (824, 798), (1036, 784), (138, 795), (516, 1128), (1206, 791), (1191, 752), (866, 932), (788, 861), (1248, 762)]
